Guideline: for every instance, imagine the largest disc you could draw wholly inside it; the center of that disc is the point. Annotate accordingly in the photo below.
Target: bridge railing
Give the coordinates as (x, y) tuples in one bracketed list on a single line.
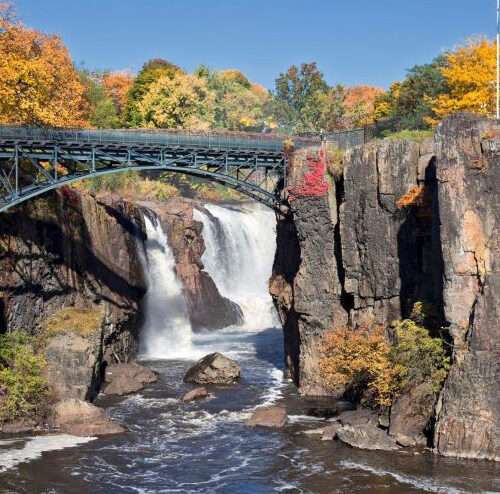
[(142, 138)]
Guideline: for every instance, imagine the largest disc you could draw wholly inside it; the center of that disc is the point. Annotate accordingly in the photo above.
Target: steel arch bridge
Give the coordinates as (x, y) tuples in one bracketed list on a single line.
[(36, 160)]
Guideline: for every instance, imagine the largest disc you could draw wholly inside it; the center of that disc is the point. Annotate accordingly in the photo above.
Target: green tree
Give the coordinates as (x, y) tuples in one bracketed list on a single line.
[(297, 94), (101, 108), (151, 71), (407, 102)]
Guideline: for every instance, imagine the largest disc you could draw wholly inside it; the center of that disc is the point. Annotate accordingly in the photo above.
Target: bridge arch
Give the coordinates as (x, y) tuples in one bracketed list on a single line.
[(254, 165)]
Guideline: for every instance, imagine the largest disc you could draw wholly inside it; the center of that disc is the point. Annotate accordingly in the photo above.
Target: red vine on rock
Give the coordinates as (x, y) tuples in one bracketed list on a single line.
[(312, 183)]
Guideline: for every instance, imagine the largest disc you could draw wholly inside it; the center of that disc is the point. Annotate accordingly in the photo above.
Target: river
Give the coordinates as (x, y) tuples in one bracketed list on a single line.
[(204, 447)]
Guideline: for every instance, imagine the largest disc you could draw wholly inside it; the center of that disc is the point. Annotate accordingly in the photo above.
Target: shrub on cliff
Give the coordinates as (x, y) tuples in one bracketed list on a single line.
[(418, 357), (23, 390), (363, 362), (357, 359)]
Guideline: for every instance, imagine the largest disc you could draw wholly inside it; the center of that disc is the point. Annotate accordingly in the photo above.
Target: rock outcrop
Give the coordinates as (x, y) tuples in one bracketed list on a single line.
[(195, 394), (214, 368), (268, 417), (353, 256), (468, 172), (123, 379), (79, 418)]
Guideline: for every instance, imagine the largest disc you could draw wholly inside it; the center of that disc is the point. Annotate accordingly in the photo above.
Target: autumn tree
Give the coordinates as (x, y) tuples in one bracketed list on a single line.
[(359, 105), (101, 112), (150, 73), (407, 101), (182, 101), (468, 72), (117, 86), (239, 104), (38, 82)]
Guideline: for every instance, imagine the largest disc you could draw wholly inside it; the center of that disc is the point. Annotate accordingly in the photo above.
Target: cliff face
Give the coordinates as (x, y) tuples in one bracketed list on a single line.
[(353, 256), (468, 171)]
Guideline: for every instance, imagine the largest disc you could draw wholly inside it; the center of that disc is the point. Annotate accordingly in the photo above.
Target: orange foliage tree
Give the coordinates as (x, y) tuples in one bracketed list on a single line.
[(117, 86), (38, 82), (359, 105), (358, 359)]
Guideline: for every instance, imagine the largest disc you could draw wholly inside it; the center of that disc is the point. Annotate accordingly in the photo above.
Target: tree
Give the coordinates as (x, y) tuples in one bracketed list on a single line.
[(101, 109), (38, 82), (296, 96), (182, 101), (117, 86), (151, 72), (359, 105), (407, 102), (468, 72), (239, 104)]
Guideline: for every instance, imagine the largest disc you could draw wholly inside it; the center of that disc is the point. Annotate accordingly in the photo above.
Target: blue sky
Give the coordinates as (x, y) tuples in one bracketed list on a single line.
[(353, 41)]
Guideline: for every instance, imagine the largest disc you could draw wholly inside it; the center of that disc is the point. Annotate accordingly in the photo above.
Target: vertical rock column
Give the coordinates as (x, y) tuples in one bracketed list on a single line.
[(468, 172)]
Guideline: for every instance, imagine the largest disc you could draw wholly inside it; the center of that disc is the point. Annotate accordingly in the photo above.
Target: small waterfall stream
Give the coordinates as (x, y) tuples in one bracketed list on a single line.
[(166, 332)]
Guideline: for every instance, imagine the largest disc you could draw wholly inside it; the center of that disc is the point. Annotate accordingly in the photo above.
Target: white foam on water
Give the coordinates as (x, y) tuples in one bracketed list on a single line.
[(167, 332), (428, 484), (35, 446), (239, 252)]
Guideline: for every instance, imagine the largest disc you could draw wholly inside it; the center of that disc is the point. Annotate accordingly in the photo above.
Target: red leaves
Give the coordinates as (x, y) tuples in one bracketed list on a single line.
[(312, 183)]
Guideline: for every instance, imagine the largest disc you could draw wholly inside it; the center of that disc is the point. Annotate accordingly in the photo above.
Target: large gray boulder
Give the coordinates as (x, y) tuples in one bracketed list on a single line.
[(367, 437), (213, 369), (79, 418), (122, 379), (268, 417)]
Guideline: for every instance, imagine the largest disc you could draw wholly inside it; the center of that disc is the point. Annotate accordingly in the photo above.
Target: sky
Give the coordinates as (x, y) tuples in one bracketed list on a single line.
[(353, 41)]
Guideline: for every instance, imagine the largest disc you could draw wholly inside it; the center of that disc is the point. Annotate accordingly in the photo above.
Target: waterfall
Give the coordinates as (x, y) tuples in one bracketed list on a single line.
[(167, 331), (240, 243)]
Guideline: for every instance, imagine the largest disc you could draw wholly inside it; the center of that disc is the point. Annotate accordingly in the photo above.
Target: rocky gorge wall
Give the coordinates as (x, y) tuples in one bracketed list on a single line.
[(352, 256), (70, 250)]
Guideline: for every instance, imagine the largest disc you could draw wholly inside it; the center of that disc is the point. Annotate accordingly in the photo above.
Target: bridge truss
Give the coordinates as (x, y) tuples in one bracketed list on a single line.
[(34, 161)]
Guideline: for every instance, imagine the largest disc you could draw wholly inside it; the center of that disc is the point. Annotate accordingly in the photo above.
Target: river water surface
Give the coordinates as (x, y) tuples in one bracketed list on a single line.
[(204, 447)]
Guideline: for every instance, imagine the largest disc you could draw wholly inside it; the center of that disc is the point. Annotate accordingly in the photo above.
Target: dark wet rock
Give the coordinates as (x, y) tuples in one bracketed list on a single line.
[(330, 432), (122, 379), (358, 417), (410, 416), (79, 418), (367, 437), (19, 427), (323, 412), (213, 369), (268, 417), (195, 394)]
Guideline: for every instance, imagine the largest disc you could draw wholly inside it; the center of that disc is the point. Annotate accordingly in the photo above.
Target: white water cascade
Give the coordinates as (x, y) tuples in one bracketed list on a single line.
[(240, 243), (166, 332)]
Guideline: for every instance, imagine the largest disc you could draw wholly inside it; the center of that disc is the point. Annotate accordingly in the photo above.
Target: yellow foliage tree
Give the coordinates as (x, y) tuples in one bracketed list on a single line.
[(469, 73), (183, 101), (38, 82)]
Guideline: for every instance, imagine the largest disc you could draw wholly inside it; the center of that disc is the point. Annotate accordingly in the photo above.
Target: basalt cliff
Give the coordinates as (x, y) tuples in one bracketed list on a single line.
[(352, 256)]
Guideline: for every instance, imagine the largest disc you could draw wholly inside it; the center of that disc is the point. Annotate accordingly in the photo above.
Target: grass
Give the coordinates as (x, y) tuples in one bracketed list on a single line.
[(411, 135), (81, 321)]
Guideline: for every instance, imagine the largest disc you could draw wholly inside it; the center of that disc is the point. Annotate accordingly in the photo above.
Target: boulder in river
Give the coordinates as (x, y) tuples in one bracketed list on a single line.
[(122, 379), (268, 417), (214, 368), (195, 394), (80, 418), (367, 437), (330, 432)]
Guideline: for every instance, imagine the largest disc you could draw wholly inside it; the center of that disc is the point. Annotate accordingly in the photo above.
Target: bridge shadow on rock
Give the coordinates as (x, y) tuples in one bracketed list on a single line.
[(47, 258)]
